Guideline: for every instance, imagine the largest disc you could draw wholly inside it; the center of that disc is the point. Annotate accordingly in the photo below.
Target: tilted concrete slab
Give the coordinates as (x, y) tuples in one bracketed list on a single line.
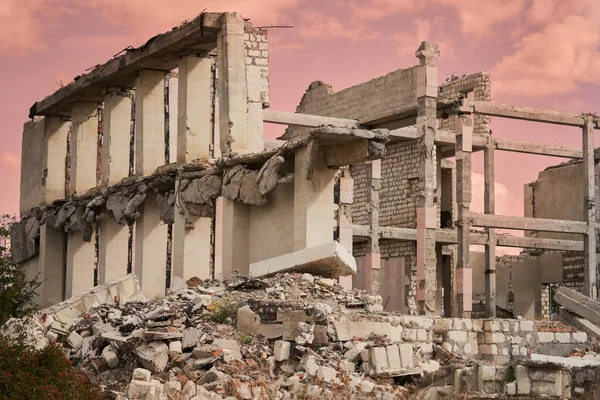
[(579, 304), (329, 260), (581, 324)]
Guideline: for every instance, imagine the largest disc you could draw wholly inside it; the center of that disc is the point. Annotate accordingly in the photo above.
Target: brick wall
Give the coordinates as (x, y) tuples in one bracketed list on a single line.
[(573, 270), (361, 176), (479, 85), (378, 97)]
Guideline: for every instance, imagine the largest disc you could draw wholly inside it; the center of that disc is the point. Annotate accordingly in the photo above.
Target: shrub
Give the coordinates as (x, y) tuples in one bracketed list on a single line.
[(26, 373), (17, 293)]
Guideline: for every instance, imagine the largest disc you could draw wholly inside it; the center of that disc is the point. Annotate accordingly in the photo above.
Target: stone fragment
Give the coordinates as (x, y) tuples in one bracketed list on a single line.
[(172, 390), (354, 353), (247, 321), (190, 338), (522, 380), (177, 284), (153, 356), (175, 350), (141, 374), (367, 386), (406, 355), (75, 340), (110, 356), (328, 260), (326, 374), (140, 390), (308, 278), (231, 346), (310, 366), (326, 282), (282, 350)]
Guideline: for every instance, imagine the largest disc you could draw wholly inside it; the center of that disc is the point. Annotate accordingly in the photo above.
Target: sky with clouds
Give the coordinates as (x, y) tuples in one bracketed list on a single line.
[(541, 53)]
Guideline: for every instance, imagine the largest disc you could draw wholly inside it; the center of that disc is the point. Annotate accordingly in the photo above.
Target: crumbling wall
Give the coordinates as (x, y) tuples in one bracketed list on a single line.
[(556, 194), (475, 85), (386, 96), (573, 271)]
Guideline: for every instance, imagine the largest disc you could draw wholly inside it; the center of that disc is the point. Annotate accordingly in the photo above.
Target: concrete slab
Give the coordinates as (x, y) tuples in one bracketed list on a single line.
[(578, 304), (328, 260), (566, 361), (581, 324)]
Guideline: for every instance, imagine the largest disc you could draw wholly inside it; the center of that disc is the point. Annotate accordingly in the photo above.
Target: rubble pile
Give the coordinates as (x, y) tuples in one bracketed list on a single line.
[(297, 335)]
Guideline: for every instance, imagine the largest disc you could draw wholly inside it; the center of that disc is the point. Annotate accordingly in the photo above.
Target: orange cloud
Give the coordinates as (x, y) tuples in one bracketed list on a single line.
[(377, 9), (320, 25), (25, 23), (557, 58), (9, 160)]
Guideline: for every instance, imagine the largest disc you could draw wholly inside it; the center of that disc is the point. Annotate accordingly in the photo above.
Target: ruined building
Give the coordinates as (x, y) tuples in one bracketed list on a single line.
[(136, 167)]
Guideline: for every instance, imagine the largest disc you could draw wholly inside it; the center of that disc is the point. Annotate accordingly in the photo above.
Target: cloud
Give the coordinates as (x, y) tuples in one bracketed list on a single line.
[(9, 160), (424, 29), (319, 25), (556, 58), (26, 23), (478, 17), (377, 9)]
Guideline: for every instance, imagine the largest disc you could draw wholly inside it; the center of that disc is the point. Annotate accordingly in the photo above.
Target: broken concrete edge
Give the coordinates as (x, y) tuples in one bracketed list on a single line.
[(578, 304), (60, 317), (247, 178), (330, 260)]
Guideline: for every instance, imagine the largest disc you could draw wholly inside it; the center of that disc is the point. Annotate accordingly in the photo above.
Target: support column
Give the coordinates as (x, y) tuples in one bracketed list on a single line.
[(589, 207), (313, 199), (233, 92), (345, 219), (84, 147), (195, 139), (464, 281), (113, 244), (195, 127), (373, 256), (81, 262), (191, 244), (52, 266), (150, 231), (57, 132), (427, 88), (490, 247), (235, 240)]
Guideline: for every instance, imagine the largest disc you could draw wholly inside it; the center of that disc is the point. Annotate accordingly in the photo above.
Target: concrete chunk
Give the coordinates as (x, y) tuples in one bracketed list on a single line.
[(329, 260)]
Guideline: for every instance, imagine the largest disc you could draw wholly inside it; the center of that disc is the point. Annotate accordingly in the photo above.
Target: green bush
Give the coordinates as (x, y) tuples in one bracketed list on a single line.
[(17, 293), (26, 373)]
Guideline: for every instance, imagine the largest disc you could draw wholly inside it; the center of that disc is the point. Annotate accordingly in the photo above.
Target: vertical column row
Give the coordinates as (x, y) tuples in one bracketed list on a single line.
[(427, 89), (345, 219)]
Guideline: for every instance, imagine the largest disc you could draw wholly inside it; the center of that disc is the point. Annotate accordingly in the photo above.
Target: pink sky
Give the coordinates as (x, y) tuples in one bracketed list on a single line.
[(541, 53)]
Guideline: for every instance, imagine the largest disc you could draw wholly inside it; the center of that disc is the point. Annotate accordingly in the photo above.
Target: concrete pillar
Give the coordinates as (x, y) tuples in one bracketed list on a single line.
[(113, 244), (589, 206), (117, 125), (195, 135), (464, 280), (57, 131), (113, 249), (191, 246), (52, 266), (173, 110), (427, 88), (218, 245), (345, 219), (81, 263), (490, 247), (84, 147), (150, 121), (313, 200), (150, 231), (151, 250), (234, 239), (232, 88)]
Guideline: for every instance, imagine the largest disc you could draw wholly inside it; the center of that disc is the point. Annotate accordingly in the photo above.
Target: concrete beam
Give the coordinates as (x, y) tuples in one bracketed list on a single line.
[(579, 304), (529, 224), (522, 113), (490, 246), (149, 122), (350, 153), (534, 148), (307, 120), (162, 52), (116, 137), (328, 259)]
